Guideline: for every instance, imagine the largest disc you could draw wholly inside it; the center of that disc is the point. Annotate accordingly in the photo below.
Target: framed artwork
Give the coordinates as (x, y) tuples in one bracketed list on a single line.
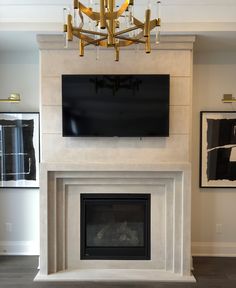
[(218, 149), (19, 150)]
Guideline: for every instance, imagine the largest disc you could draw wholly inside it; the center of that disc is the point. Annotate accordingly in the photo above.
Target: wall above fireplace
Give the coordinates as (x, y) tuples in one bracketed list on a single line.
[(173, 56)]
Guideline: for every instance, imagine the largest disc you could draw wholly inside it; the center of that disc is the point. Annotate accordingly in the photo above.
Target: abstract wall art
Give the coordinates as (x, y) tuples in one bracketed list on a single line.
[(19, 150), (218, 149)]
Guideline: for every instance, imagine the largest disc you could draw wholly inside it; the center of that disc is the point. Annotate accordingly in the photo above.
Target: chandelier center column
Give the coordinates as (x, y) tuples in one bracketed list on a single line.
[(111, 23)]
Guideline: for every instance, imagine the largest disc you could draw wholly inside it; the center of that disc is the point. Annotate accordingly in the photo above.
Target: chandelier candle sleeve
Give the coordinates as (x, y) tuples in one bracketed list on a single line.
[(109, 18), (102, 15), (147, 23)]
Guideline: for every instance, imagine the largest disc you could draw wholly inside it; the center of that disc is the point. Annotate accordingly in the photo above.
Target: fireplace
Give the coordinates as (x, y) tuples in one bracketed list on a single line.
[(115, 226), (141, 196)]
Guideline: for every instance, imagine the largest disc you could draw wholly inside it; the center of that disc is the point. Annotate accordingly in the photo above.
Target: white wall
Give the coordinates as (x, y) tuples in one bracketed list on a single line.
[(19, 207), (214, 75)]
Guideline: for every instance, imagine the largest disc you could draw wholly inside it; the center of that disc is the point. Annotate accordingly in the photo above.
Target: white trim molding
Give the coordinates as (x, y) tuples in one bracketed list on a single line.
[(19, 248), (216, 249)]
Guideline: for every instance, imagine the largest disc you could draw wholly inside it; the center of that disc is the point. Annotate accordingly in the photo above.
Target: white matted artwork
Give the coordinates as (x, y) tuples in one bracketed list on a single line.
[(218, 149), (19, 150)]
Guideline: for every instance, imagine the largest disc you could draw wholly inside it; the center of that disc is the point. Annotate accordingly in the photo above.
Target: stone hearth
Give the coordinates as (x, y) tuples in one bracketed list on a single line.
[(169, 187)]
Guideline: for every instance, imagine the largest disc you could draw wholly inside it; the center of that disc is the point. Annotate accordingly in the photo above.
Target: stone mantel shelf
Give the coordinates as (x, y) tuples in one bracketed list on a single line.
[(101, 166)]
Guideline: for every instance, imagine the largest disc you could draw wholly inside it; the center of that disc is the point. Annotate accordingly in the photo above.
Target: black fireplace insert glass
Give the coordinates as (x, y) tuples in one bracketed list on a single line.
[(115, 226)]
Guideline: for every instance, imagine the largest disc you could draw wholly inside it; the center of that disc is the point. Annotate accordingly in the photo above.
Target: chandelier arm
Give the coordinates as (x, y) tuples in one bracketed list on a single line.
[(137, 22), (89, 32), (128, 30), (134, 40), (154, 23), (95, 42), (89, 40), (108, 15), (89, 12), (122, 9), (83, 37), (125, 43), (103, 43)]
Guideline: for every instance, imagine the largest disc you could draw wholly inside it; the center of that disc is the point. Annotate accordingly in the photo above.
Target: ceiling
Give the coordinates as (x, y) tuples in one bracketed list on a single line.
[(213, 21)]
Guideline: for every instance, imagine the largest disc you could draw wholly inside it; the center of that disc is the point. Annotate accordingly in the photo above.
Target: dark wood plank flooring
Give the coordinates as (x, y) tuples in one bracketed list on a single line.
[(210, 272)]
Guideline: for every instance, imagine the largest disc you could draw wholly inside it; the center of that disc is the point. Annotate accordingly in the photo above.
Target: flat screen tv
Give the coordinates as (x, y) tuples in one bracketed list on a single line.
[(115, 105)]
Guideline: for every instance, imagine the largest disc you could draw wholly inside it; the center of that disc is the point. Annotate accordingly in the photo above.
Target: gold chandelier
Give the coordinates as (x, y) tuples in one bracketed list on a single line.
[(109, 27)]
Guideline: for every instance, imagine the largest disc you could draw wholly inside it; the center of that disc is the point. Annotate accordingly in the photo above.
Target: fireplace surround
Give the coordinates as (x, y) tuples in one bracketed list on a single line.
[(169, 188)]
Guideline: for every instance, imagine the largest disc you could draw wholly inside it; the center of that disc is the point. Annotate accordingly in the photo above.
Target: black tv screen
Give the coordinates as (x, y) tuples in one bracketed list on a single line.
[(115, 105)]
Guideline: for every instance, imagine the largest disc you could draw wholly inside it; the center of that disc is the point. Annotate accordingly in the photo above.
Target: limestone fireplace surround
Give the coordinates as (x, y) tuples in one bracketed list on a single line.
[(170, 189)]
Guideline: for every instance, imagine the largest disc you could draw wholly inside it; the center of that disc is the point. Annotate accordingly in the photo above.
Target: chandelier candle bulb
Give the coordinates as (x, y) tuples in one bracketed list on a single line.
[(131, 15), (75, 5), (97, 53), (158, 9), (65, 14), (91, 4), (65, 17), (157, 39), (75, 18)]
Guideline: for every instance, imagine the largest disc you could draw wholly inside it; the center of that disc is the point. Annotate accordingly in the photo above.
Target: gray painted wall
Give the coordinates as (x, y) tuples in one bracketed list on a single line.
[(214, 75), (19, 72)]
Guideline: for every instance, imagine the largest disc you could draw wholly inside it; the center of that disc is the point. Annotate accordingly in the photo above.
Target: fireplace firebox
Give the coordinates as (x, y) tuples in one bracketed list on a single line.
[(115, 226)]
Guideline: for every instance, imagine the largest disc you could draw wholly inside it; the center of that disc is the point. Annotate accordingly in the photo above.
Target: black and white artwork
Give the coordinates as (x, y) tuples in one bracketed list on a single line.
[(218, 149), (19, 150)]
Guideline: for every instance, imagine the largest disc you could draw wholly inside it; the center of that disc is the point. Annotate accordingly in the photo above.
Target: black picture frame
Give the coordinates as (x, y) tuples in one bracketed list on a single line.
[(19, 150), (217, 149)]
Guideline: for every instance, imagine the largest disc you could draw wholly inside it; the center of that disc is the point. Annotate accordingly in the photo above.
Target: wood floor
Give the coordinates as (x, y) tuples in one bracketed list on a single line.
[(19, 272)]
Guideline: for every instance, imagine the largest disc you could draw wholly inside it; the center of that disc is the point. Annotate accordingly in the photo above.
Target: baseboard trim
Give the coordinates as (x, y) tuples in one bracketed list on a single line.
[(215, 249), (19, 248)]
